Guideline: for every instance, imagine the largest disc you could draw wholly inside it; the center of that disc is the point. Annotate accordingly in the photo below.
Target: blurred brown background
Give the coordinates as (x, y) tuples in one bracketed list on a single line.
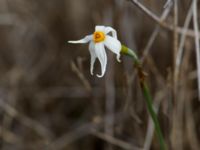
[(49, 100)]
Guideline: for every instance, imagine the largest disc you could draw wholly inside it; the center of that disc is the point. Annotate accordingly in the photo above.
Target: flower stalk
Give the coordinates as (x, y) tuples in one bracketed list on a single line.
[(146, 93)]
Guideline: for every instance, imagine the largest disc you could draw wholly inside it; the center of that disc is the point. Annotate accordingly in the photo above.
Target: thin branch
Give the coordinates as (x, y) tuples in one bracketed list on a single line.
[(81, 76), (182, 40), (191, 126), (39, 128), (80, 132), (175, 47), (165, 25), (168, 3), (70, 137), (147, 11), (115, 141), (155, 33), (196, 29)]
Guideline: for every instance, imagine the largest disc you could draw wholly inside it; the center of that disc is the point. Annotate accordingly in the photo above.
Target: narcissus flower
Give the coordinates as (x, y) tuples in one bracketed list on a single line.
[(97, 43)]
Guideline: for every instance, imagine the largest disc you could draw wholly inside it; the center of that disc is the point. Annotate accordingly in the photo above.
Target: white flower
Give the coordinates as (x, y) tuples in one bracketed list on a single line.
[(97, 43)]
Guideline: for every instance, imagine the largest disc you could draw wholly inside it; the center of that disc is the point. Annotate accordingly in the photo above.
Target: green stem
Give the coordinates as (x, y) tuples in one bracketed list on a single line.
[(145, 90)]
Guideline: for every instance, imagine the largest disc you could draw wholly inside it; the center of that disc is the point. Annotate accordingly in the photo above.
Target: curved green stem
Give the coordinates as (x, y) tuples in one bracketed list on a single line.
[(145, 90)]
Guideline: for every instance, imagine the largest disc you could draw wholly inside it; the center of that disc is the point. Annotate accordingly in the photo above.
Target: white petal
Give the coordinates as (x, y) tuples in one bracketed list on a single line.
[(101, 54), (114, 45), (100, 28), (93, 56), (113, 31), (86, 39)]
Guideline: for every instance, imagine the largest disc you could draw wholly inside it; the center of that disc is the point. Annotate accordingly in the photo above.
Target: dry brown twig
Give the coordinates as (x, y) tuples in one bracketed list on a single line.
[(90, 128), (168, 3), (155, 33), (175, 47), (177, 113), (40, 129), (81, 76), (196, 29), (191, 126), (150, 14), (182, 40), (114, 141), (70, 137)]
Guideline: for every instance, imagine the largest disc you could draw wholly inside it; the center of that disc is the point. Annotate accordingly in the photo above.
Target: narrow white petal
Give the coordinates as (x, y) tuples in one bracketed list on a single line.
[(93, 56), (100, 28), (86, 39), (114, 45), (101, 54), (113, 31)]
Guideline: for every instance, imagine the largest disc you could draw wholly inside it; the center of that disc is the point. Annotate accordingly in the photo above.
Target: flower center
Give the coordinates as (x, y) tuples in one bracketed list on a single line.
[(98, 36)]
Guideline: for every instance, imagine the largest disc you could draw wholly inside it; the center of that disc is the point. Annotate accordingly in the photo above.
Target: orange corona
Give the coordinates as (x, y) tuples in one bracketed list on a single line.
[(98, 36)]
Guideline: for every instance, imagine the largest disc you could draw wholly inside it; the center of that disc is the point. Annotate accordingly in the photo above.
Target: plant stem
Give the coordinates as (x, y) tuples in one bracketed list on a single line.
[(146, 93)]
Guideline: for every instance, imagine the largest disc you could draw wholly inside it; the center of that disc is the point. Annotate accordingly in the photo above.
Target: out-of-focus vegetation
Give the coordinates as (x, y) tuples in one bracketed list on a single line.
[(49, 100)]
